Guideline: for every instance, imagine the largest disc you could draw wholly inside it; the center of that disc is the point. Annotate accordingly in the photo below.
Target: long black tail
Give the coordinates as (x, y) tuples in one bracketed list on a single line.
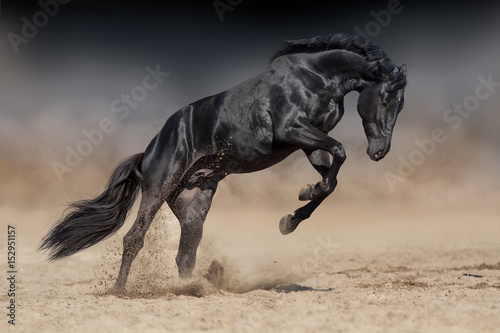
[(90, 221)]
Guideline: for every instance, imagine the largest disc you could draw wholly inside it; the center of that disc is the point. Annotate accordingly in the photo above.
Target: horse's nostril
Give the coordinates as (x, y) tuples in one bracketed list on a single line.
[(377, 154)]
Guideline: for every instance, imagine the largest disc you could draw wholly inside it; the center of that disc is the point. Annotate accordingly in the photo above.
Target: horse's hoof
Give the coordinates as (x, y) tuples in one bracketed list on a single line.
[(306, 193), (287, 225)]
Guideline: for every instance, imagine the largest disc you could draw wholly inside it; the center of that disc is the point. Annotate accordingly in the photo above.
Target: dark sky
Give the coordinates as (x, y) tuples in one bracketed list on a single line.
[(99, 48), (182, 34)]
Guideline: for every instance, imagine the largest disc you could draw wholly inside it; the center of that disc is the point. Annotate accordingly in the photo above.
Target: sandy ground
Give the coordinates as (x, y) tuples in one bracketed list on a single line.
[(354, 267)]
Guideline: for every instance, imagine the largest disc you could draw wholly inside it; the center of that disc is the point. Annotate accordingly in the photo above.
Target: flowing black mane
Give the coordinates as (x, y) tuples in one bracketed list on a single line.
[(338, 41)]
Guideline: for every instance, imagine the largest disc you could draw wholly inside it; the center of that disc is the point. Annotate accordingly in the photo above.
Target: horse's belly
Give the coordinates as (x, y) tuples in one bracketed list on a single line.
[(257, 160)]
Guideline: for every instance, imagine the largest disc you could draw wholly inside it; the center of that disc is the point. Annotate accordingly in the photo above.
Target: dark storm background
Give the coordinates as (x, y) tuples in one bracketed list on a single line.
[(65, 79)]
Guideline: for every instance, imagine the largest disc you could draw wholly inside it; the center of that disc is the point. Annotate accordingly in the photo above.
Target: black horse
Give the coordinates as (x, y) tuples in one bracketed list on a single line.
[(292, 105)]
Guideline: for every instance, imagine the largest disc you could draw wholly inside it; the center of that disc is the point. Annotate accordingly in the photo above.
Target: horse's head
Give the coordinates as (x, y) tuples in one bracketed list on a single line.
[(379, 104)]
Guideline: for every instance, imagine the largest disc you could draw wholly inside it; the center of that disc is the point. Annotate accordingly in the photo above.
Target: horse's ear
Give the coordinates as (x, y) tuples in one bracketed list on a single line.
[(402, 69), (382, 71)]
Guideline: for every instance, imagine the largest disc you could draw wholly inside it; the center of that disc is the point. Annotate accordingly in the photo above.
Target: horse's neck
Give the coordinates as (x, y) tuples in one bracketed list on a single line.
[(347, 70)]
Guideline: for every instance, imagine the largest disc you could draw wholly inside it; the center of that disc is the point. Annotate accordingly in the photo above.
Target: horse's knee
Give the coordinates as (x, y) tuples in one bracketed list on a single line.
[(339, 155)]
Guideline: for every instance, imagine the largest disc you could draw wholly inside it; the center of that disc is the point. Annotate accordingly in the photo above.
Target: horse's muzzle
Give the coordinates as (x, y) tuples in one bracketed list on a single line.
[(378, 148), (377, 156)]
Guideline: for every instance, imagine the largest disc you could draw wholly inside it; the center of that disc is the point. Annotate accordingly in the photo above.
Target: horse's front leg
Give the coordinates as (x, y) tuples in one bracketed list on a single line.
[(318, 148), (320, 160)]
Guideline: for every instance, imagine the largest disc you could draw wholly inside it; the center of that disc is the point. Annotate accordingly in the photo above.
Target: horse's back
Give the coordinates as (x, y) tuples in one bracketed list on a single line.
[(236, 126)]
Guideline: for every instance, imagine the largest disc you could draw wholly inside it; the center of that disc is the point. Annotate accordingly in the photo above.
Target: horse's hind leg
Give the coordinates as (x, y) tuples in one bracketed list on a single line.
[(133, 241), (191, 208)]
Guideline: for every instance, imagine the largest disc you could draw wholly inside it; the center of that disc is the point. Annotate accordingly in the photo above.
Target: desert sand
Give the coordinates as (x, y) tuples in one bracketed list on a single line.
[(358, 265)]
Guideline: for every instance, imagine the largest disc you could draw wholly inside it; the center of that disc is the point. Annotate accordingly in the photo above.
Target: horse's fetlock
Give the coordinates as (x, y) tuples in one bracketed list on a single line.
[(326, 187)]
